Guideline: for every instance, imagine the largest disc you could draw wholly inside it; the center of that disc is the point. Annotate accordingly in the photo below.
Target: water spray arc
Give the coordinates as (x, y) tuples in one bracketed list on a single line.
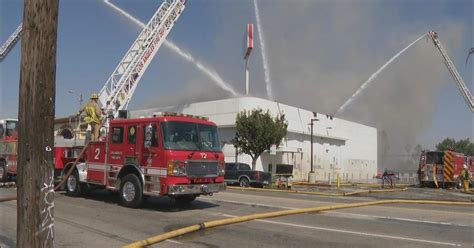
[(373, 76), (186, 55), (266, 69)]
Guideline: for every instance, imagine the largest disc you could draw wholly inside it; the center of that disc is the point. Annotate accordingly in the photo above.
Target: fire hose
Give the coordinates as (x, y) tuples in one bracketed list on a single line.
[(239, 219)]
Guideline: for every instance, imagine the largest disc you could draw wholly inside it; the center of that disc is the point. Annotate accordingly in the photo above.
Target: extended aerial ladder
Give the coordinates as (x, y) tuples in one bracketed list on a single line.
[(452, 69), (11, 42), (117, 92)]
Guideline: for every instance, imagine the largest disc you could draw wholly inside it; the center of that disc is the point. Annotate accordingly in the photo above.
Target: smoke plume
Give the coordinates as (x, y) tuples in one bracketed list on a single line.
[(321, 52)]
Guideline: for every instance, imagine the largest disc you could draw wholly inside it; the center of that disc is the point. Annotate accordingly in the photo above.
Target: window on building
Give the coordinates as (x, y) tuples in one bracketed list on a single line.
[(117, 135)]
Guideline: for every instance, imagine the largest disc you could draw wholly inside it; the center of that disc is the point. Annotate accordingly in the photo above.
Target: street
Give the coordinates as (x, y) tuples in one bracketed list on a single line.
[(97, 220)]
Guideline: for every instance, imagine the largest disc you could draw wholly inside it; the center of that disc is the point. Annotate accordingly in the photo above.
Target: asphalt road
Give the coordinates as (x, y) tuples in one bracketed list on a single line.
[(97, 220)]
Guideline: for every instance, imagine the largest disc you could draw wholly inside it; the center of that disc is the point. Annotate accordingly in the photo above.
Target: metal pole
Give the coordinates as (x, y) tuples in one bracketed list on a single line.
[(80, 101), (247, 76), (312, 146)]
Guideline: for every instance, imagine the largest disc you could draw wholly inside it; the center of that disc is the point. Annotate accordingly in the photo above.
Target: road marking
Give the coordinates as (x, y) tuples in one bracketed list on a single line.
[(341, 213), (246, 203), (174, 241), (352, 232), (397, 218)]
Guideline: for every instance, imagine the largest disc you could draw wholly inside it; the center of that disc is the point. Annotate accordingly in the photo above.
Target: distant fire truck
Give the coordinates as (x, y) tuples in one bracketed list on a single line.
[(167, 155), (8, 145), (442, 169)]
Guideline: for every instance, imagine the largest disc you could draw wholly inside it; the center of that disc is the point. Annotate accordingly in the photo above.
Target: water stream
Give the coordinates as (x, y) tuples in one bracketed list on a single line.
[(372, 77), (212, 74), (266, 69)]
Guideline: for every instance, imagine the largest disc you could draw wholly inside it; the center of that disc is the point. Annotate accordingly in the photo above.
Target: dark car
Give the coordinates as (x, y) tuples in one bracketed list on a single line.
[(242, 174)]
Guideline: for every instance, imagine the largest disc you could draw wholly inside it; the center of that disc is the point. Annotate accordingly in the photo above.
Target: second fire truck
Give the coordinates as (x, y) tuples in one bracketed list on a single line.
[(442, 168)]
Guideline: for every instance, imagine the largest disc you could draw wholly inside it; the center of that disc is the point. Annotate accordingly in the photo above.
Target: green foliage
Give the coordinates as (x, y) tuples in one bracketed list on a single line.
[(256, 131), (463, 146)]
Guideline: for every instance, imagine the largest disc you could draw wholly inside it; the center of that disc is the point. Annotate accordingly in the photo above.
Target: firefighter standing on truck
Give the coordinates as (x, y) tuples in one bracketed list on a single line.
[(92, 115), (465, 178)]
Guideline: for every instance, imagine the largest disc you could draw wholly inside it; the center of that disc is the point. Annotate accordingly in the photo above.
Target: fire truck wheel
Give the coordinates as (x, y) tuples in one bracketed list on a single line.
[(73, 186), (131, 192), (3, 172)]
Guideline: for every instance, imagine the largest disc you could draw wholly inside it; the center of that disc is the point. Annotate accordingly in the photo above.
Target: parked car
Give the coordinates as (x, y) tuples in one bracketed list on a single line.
[(242, 174)]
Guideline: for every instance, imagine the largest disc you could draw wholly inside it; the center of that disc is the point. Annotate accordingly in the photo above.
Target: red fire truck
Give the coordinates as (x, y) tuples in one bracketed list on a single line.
[(8, 145), (167, 155), (442, 169), (8, 150)]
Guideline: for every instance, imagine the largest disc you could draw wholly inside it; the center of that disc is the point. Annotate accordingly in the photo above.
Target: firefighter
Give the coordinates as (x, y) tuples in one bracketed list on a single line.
[(92, 115), (465, 178)]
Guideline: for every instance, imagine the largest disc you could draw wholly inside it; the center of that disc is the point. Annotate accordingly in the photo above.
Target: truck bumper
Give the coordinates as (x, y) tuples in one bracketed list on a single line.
[(196, 189)]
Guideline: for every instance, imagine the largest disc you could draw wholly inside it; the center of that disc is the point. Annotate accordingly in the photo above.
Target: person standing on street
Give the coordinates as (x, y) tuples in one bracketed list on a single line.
[(92, 115), (465, 178)]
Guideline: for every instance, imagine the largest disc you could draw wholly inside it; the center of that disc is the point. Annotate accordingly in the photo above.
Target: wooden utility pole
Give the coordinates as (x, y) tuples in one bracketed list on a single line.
[(35, 222)]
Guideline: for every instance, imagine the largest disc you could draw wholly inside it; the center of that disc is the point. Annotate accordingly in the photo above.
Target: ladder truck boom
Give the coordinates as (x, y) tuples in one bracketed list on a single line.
[(117, 92), (11, 42), (452, 69)]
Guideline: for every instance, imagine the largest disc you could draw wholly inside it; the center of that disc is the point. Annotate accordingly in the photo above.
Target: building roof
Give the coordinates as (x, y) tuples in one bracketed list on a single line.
[(223, 113)]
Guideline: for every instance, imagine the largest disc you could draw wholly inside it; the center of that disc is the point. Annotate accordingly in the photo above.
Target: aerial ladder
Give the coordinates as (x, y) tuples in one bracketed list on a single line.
[(452, 69), (117, 92), (11, 42)]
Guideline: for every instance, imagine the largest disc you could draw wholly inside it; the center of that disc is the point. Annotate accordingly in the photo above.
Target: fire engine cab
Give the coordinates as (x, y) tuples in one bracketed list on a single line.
[(168, 154)]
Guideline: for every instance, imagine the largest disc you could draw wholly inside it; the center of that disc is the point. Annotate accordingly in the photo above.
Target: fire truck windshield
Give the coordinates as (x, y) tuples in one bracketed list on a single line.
[(434, 157), (190, 136)]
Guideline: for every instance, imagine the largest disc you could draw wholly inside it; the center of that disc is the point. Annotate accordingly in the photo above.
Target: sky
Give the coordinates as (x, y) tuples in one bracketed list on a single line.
[(319, 52)]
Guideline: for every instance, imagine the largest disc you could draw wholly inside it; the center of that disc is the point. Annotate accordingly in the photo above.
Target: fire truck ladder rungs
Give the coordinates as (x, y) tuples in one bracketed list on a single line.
[(10, 43), (119, 88), (452, 69)]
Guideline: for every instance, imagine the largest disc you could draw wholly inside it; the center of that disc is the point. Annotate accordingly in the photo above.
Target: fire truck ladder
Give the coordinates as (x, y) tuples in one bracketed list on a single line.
[(452, 69), (10, 43), (117, 92)]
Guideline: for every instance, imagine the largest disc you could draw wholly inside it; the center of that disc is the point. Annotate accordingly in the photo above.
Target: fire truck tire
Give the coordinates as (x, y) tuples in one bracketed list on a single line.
[(73, 187), (3, 172), (131, 191)]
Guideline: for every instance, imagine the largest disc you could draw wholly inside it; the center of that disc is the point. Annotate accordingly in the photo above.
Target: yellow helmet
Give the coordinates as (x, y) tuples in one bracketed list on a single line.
[(94, 96)]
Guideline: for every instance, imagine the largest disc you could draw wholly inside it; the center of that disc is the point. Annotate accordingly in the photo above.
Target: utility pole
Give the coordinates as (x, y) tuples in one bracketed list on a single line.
[(311, 174), (35, 222)]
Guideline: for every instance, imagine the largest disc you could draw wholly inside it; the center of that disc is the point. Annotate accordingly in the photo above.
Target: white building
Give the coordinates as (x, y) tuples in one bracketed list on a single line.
[(340, 147)]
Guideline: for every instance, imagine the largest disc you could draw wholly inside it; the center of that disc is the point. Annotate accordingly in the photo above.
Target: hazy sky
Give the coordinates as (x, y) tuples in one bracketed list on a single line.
[(319, 53)]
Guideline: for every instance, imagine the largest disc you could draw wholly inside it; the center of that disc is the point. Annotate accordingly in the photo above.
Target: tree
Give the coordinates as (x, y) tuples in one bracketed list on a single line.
[(35, 222), (463, 146), (256, 131)]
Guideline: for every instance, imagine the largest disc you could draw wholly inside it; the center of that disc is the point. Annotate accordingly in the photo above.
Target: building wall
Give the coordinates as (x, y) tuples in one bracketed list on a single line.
[(339, 146)]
